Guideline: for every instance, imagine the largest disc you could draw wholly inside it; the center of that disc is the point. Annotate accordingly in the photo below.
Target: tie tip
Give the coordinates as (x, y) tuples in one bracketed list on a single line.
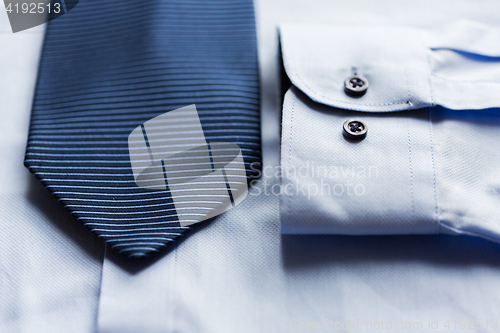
[(138, 255)]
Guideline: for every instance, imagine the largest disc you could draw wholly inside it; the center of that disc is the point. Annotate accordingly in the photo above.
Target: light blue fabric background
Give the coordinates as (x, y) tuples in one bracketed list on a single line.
[(236, 274), (50, 265)]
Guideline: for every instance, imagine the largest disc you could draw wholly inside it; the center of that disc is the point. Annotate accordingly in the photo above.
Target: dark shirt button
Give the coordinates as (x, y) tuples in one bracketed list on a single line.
[(355, 129), (355, 86)]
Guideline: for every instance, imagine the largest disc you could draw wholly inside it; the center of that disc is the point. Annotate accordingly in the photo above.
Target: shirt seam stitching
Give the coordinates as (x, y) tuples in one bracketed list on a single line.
[(291, 137), (297, 75), (436, 208), (412, 190)]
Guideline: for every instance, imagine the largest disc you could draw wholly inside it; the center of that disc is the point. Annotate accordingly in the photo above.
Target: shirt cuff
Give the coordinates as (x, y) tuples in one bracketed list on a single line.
[(393, 181)]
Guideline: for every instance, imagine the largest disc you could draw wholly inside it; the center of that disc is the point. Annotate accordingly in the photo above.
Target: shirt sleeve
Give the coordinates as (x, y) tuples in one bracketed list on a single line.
[(428, 162)]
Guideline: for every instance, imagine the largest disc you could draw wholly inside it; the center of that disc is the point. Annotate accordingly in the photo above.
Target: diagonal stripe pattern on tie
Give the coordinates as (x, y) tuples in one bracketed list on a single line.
[(109, 66)]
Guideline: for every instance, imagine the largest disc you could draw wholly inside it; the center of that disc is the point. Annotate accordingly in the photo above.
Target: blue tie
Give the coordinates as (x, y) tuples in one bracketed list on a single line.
[(109, 66)]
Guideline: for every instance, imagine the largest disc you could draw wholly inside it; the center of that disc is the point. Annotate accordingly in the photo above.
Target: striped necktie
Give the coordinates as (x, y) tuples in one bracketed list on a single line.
[(107, 67)]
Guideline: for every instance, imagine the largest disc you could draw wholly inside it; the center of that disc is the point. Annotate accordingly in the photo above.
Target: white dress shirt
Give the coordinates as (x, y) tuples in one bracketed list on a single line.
[(428, 163), (238, 273)]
